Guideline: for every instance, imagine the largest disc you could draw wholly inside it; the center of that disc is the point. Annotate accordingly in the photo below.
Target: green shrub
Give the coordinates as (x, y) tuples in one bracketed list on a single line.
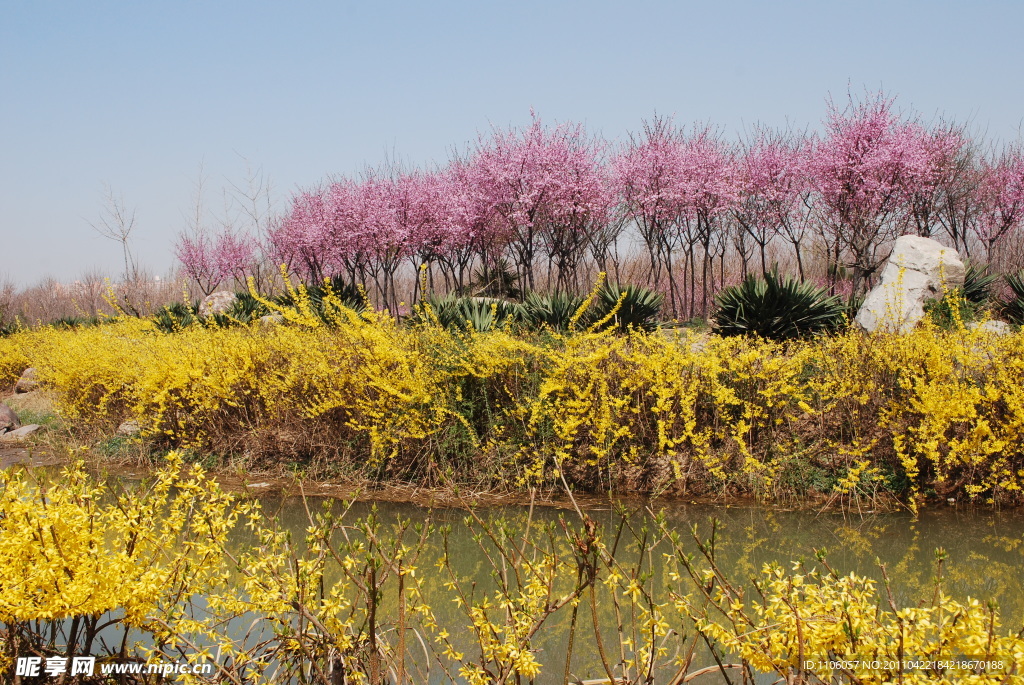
[(952, 310), (978, 282), (68, 323), (553, 310), (174, 317), (499, 280), (777, 308), (459, 312), (640, 310), (1013, 308)]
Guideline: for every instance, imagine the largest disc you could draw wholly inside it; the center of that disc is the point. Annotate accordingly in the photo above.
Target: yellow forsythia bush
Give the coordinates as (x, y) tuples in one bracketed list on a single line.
[(80, 565), (931, 413), (829, 628), (188, 572)]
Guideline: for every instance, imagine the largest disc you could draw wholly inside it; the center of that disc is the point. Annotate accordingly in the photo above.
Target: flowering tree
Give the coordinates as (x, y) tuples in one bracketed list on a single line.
[(305, 240), (1000, 198), (709, 192), (608, 224), (446, 226), (774, 195), (648, 177), (957, 211), (211, 261), (546, 201), (861, 170), (678, 188), (927, 184), (545, 190)]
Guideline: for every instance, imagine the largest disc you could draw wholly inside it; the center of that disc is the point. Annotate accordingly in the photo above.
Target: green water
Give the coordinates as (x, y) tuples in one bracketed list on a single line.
[(984, 552), (984, 555)]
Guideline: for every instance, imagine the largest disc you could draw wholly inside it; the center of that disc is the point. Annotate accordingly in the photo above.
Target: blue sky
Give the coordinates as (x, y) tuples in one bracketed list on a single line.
[(141, 95)]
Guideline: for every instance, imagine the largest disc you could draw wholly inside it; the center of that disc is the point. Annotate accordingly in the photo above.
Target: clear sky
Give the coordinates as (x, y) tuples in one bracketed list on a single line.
[(141, 95)]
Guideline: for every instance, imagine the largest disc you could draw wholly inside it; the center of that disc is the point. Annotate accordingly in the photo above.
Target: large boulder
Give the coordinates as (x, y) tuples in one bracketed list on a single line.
[(219, 302), (918, 269)]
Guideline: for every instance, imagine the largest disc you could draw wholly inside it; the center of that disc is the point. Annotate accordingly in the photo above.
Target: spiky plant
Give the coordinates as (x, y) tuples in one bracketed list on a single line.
[(458, 312), (553, 310), (640, 307), (1013, 308), (777, 308), (174, 317), (496, 280), (978, 282), (247, 308), (326, 298)]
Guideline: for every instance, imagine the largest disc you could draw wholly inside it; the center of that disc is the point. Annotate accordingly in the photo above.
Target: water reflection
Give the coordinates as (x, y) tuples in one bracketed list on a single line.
[(984, 558)]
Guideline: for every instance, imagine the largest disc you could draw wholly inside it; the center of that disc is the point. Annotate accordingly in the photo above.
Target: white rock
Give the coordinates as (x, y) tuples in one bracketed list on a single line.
[(917, 270), (991, 326), (129, 427), (28, 381), (272, 319), (219, 302)]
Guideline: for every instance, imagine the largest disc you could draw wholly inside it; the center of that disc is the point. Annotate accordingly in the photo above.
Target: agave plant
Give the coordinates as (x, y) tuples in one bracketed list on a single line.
[(456, 312), (1013, 308), (174, 317), (327, 298), (977, 287), (777, 308), (497, 280), (553, 310), (639, 310), (247, 308)]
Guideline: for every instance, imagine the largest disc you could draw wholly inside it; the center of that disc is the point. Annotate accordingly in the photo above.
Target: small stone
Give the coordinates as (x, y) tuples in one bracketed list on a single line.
[(259, 485), (272, 319), (129, 427), (991, 326), (9, 421), (219, 302), (28, 381), (20, 434)]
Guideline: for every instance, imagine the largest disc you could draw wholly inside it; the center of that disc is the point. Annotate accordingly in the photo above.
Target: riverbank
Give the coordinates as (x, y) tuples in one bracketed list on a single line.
[(924, 418)]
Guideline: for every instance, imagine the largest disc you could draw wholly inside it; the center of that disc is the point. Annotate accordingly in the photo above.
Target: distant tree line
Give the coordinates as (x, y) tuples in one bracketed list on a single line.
[(552, 205)]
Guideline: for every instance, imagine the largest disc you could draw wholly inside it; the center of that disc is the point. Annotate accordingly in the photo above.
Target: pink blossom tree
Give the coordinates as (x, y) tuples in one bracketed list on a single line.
[(861, 170), (709, 192), (648, 177), (307, 239), (957, 211), (774, 195), (545, 187), (195, 253), (210, 261), (1000, 198), (678, 189), (927, 184)]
